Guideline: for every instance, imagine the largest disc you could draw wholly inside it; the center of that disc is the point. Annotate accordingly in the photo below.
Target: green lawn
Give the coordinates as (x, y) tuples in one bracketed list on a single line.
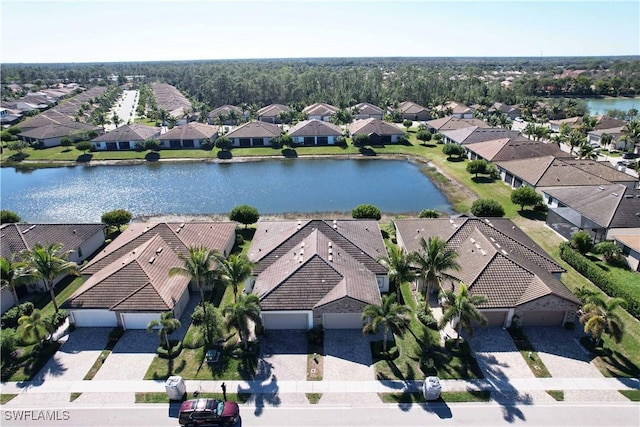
[(445, 396), (28, 362), (627, 280), (6, 397), (160, 397)]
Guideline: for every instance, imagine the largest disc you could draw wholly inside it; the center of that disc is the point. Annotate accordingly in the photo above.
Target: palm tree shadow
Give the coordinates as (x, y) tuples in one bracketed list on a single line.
[(264, 390)]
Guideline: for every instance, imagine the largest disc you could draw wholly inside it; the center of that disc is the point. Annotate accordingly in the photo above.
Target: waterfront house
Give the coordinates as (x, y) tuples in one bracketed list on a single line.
[(50, 135), (125, 137), (379, 132), (189, 135), (315, 132), (254, 134), (504, 149)]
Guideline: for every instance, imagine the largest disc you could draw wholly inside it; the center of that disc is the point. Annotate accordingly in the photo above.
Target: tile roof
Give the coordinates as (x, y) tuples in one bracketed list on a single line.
[(170, 98), (314, 272), (366, 108), (225, 110), (477, 134), (610, 206), (450, 122), (134, 132), (602, 170), (615, 131), (17, 237), (373, 125), (504, 149), (193, 130), (319, 109), (179, 236), (58, 130), (630, 240), (497, 259), (272, 110), (409, 107), (315, 128), (137, 281), (255, 129)]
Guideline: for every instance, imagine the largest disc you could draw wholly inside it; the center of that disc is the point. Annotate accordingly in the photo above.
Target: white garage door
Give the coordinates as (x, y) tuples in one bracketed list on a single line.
[(285, 320), (94, 318), (342, 320), (138, 320)]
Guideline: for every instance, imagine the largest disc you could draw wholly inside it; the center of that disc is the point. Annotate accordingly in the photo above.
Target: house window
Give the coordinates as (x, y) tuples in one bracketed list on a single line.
[(309, 140), (258, 142), (245, 142), (323, 140), (174, 143), (125, 145), (112, 146), (188, 143)]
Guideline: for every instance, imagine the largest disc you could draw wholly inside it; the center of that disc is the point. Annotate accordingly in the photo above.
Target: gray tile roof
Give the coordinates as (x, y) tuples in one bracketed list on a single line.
[(315, 128), (409, 107), (373, 125), (137, 281), (272, 110), (170, 98), (505, 149), (255, 129), (320, 109), (59, 130), (366, 108), (179, 236), (225, 110), (17, 237), (450, 122), (193, 130), (477, 134), (134, 132)]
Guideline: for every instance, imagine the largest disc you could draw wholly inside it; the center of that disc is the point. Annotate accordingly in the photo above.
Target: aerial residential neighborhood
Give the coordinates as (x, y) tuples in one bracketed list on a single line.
[(409, 224)]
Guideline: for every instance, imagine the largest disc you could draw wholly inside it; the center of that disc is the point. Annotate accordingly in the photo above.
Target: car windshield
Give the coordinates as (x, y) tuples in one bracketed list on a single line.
[(220, 408)]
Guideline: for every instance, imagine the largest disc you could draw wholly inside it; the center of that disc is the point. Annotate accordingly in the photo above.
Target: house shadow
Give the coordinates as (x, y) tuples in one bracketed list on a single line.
[(263, 390), (482, 179), (533, 215)]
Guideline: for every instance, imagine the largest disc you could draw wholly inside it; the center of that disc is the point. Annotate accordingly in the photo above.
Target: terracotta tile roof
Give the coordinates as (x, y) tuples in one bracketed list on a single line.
[(17, 237), (373, 125), (193, 130), (315, 128), (255, 129), (319, 109), (272, 110), (361, 239), (496, 260), (134, 132), (610, 206), (137, 281), (311, 274), (630, 240), (179, 237)]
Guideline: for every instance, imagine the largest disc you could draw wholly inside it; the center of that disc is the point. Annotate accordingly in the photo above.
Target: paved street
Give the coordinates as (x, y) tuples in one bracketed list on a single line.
[(125, 108)]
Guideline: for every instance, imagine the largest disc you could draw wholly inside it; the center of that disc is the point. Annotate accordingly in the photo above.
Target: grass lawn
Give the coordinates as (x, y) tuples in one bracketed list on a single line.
[(556, 394), (97, 365), (5, 397), (633, 395), (446, 396), (313, 398), (28, 362), (74, 396), (160, 397), (627, 280), (418, 346)]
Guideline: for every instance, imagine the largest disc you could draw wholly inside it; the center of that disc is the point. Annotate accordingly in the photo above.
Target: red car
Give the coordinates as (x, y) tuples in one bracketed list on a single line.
[(208, 412)]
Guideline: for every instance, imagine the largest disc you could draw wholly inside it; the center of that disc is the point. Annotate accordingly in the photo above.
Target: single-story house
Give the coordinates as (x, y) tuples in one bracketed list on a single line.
[(317, 272), (504, 149), (169, 98), (254, 134), (594, 137), (473, 134), (498, 260), (451, 123), (315, 132), (604, 210), (125, 137), (80, 240), (320, 111), (379, 132), (9, 117), (364, 110), (630, 245), (549, 171), (190, 135), (414, 112), (572, 122), (45, 119), (512, 111), (455, 109), (270, 113), (51, 134), (128, 284), (227, 114)]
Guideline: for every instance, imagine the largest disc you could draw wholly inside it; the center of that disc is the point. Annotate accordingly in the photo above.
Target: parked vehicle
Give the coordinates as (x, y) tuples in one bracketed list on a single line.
[(628, 155), (208, 412)]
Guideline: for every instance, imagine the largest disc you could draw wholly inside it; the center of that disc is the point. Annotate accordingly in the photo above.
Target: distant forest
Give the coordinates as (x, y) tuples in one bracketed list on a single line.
[(346, 81)]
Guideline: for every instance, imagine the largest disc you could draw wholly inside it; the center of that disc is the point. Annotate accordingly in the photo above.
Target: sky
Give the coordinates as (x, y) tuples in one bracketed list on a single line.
[(157, 30)]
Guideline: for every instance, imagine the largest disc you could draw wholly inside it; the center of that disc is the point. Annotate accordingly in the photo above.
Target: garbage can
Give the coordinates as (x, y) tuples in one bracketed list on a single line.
[(431, 388), (175, 387)]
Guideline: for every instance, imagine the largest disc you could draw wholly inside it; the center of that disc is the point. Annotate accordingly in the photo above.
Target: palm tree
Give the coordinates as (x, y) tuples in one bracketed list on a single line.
[(598, 317), (390, 315), (45, 263), (235, 270), (200, 266), (163, 116), (586, 151), (505, 121), (433, 259), (462, 309), (606, 140), (242, 314), (631, 134), (34, 327), (165, 326), (13, 274), (116, 120), (399, 267), (575, 139)]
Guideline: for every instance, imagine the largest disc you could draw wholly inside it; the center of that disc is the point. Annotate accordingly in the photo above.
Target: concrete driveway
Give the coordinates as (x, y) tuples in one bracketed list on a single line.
[(347, 356), (497, 355), (130, 358), (284, 354)]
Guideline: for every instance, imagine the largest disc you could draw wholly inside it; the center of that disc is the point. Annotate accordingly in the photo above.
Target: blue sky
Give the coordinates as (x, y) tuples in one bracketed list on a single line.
[(145, 30)]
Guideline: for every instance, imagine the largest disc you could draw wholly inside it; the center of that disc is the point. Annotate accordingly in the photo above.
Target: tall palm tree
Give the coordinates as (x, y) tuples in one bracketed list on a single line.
[(235, 270), (462, 309), (598, 317), (116, 120), (586, 151), (165, 326), (200, 266), (631, 134), (575, 139), (433, 258), (241, 315), (46, 263), (587, 123), (606, 140), (35, 327), (399, 267), (390, 315), (13, 274)]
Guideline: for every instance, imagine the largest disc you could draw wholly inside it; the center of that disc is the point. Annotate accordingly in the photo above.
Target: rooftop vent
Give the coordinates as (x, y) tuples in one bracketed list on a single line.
[(614, 194), (483, 252), (152, 259), (330, 258), (472, 240), (330, 244), (158, 250)]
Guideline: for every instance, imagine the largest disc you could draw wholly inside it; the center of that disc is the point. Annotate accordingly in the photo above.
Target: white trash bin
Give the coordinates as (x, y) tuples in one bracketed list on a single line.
[(175, 387), (431, 388)]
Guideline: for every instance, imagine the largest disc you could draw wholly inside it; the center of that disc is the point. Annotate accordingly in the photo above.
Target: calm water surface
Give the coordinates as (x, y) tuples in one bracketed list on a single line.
[(597, 106), (83, 193)]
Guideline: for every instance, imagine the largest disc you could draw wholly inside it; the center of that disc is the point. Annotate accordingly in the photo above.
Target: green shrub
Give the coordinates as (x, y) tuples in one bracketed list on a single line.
[(7, 216), (176, 348), (8, 342), (487, 207), (581, 241), (429, 213), (428, 320), (116, 333), (366, 211), (599, 278), (10, 318), (57, 319)]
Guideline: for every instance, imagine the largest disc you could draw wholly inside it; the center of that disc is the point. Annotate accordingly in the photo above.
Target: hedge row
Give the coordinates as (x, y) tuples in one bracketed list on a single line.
[(599, 278)]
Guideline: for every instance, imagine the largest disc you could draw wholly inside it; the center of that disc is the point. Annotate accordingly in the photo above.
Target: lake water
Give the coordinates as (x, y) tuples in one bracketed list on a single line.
[(599, 106), (83, 193)]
